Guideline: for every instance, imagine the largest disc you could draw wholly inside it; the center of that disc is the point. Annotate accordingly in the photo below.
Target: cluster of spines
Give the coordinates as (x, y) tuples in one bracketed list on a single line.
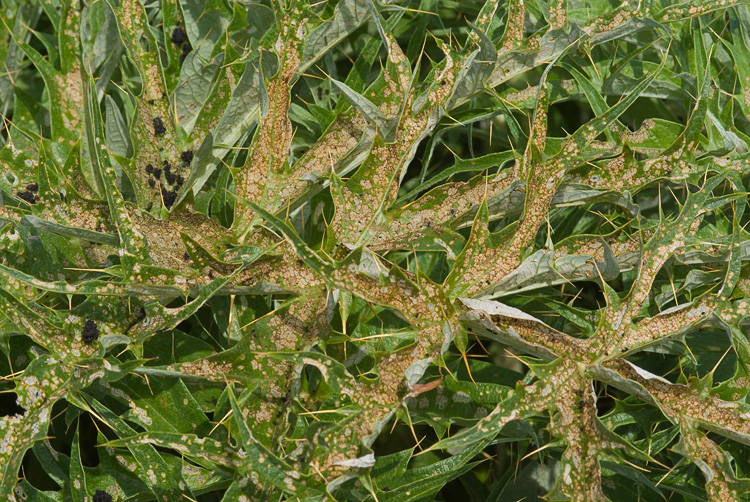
[(29, 195), (101, 496), (176, 180), (180, 39), (90, 332)]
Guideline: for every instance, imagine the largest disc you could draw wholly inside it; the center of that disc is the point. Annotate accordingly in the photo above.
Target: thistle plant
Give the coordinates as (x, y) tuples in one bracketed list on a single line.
[(374, 250)]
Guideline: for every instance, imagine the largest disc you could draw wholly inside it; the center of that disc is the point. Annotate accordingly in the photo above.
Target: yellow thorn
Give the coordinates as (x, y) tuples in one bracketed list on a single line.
[(466, 362)]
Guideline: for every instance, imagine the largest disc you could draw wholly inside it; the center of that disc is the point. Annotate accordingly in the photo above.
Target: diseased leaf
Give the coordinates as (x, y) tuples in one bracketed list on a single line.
[(364, 250)]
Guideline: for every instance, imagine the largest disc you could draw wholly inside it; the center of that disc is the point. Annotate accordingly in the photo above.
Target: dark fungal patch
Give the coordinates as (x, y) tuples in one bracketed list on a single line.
[(169, 197), (149, 168), (101, 496), (180, 180), (187, 157), (27, 196), (157, 173), (90, 332), (32, 187), (150, 205), (151, 183), (159, 128), (186, 48), (186, 256), (170, 177), (178, 36)]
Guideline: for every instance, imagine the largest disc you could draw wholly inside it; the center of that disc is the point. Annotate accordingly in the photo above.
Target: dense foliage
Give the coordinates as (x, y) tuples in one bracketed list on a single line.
[(374, 250)]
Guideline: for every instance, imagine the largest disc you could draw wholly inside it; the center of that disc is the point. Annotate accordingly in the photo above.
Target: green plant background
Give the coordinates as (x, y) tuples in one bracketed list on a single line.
[(374, 250)]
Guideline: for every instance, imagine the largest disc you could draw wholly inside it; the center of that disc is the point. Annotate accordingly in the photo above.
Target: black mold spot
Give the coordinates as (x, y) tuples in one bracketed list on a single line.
[(186, 257), (32, 187), (178, 36), (151, 183), (159, 128), (63, 197), (167, 166), (210, 275), (149, 168), (169, 198), (27, 196), (187, 157), (180, 180), (102, 496), (185, 51), (150, 205), (90, 332), (151, 101), (157, 173), (170, 177)]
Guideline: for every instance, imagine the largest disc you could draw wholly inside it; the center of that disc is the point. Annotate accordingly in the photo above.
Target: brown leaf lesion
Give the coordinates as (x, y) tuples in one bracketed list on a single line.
[(364, 200), (532, 336), (436, 209), (576, 423), (259, 180), (712, 461), (342, 137), (513, 35), (727, 418), (661, 326)]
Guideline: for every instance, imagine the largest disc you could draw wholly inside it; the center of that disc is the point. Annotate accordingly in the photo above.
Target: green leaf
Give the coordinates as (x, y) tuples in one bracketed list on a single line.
[(384, 126), (118, 136), (77, 474)]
